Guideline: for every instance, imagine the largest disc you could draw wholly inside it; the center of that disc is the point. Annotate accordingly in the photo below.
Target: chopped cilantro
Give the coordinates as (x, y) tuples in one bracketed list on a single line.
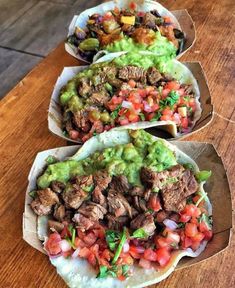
[(203, 175), (140, 233), (33, 194), (171, 99), (114, 114), (142, 117), (51, 160), (112, 238), (156, 117)]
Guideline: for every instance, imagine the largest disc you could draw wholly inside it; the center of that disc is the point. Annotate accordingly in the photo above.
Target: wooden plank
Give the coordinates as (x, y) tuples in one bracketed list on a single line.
[(13, 67), (42, 27), (23, 133)]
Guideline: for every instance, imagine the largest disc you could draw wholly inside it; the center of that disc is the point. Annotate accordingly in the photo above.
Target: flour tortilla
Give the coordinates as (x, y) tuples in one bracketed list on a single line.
[(173, 67), (77, 273), (81, 19)]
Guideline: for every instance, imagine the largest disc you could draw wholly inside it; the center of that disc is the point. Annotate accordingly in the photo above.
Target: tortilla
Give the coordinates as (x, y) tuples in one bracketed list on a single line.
[(173, 67), (77, 272), (147, 5)]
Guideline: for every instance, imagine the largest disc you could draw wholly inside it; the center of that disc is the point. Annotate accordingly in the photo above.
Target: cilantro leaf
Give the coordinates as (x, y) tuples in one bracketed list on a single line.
[(171, 99), (156, 117), (120, 245), (112, 238), (114, 114), (33, 194), (103, 272), (139, 233), (203, 175)]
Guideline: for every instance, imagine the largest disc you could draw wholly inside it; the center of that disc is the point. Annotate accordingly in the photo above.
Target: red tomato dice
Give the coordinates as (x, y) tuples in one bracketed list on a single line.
[(191, 229), (198, 237), (172, 85), (73, 134), (184, 122), (53, 244), (163, 256), (145, 263), (208, 235), (154, 203), (150, 254)]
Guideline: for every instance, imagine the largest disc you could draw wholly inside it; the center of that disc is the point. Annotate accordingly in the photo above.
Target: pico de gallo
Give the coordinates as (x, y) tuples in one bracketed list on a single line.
[(115, 219), (107, 95), (128, 30)]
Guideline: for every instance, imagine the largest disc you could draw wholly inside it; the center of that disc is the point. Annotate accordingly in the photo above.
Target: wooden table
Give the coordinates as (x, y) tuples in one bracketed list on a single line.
[(23, 133)]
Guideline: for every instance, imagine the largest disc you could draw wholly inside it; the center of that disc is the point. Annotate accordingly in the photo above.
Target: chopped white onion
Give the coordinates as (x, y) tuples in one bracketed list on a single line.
[(126, 247), (170, 224), (64, 245), (75, 253), (126, 104)]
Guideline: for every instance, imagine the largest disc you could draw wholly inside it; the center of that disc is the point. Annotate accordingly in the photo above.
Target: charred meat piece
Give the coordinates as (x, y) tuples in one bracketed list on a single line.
[(132, 72), (118, 204), (92, 211), (74, 196), (81, 120), (148, 177), (147, 194), (116, 223), (55, 226), (84, 88), (120, 184), (59, 212), (57, 186), (68, 124), (149, 20), (98, 197), (161, 216), (176, 171), (139, 204), (153, 75), (47, 197), (174, 198), (83, 223), (40, 209), (83, 181), (144, 221), (136, 191), (102, 179), (110, 71), (99, 98)]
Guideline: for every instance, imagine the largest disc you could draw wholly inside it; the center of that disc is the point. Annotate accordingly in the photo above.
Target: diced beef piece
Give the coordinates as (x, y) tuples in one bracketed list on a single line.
[(118, 204), (147, 194), (125, 86), (168, 32), (175, 216), (174, 198), (55, 226), (134, 212), (110, 71), (57, 186), (83, 223), (132, 72), (149, 177), (98, 197), (47, 197), (120, 184), (99, 98), (162, 215), (81, 120), (176, 171), (84, 88), (144, 221), (83, 182), (40, 209), (116, 223), (149, 20), (136, 191), (117, 83), (68, 125), (128, 29), (59, 212), (153, 75), (74, 196), (102, 179), (139, 204), (92, 211)]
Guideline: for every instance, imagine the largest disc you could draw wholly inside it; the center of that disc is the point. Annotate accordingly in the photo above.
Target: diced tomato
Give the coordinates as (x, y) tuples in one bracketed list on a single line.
[(81, 234), (117, 100), (194, 220), (52, 245), (208, 235), (167, 19), (73, 134), (67, 253), (149, 89), (195, 245), (95, 250), (166, 118), (122, 111), (132, 117), (184, 218), (191, 210), (136, 251), (186, 241), (134, 97), (90, 238), (191, 229), (172, 85), (106, 254), (150, 255), (154, 203), (203, 227), (92, 259), (84, 252), (133, 6), (196, 198), (126, 259), (184, 122), (65, 232), (124, 121), (103, 262), (165, 93), (167, 111), (181, 91), (132, 83), (198, 237), (138, 106), (121, 277), (79, 243), (163, 256), (145, 263), (142, 93), (161, 242), (99, 232), (150, 116), (155, 107), (172, 237)]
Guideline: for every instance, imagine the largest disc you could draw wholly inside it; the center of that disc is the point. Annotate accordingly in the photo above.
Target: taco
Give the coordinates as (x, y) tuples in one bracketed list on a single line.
[(122, 211), (129, 90), (125, 26)]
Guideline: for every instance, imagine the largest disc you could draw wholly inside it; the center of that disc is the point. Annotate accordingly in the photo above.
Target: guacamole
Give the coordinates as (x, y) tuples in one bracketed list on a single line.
[(161, 46), (127, 159)]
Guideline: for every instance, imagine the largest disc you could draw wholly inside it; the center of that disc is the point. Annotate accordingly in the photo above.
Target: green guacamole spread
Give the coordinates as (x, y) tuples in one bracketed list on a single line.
[(161, 46), (125, 159)]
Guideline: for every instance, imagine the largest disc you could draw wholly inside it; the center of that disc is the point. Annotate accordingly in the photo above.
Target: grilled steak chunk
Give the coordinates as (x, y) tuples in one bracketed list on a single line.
[(102, 179), (55, 226), (116, 223), (136, 191), (84, 88), (99, 98), (174, 197), (81, 120), (59, 212), (120, 184), (83, 181), (153, 75), (40, 209), (144, 221), (47, 197), (92, 211), (132, 72), (162, 215), (57, 186), (83, 223), (118, 204)]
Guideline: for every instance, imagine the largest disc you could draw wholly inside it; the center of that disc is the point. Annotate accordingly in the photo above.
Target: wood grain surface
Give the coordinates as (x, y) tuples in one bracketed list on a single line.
[(23, 133)]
